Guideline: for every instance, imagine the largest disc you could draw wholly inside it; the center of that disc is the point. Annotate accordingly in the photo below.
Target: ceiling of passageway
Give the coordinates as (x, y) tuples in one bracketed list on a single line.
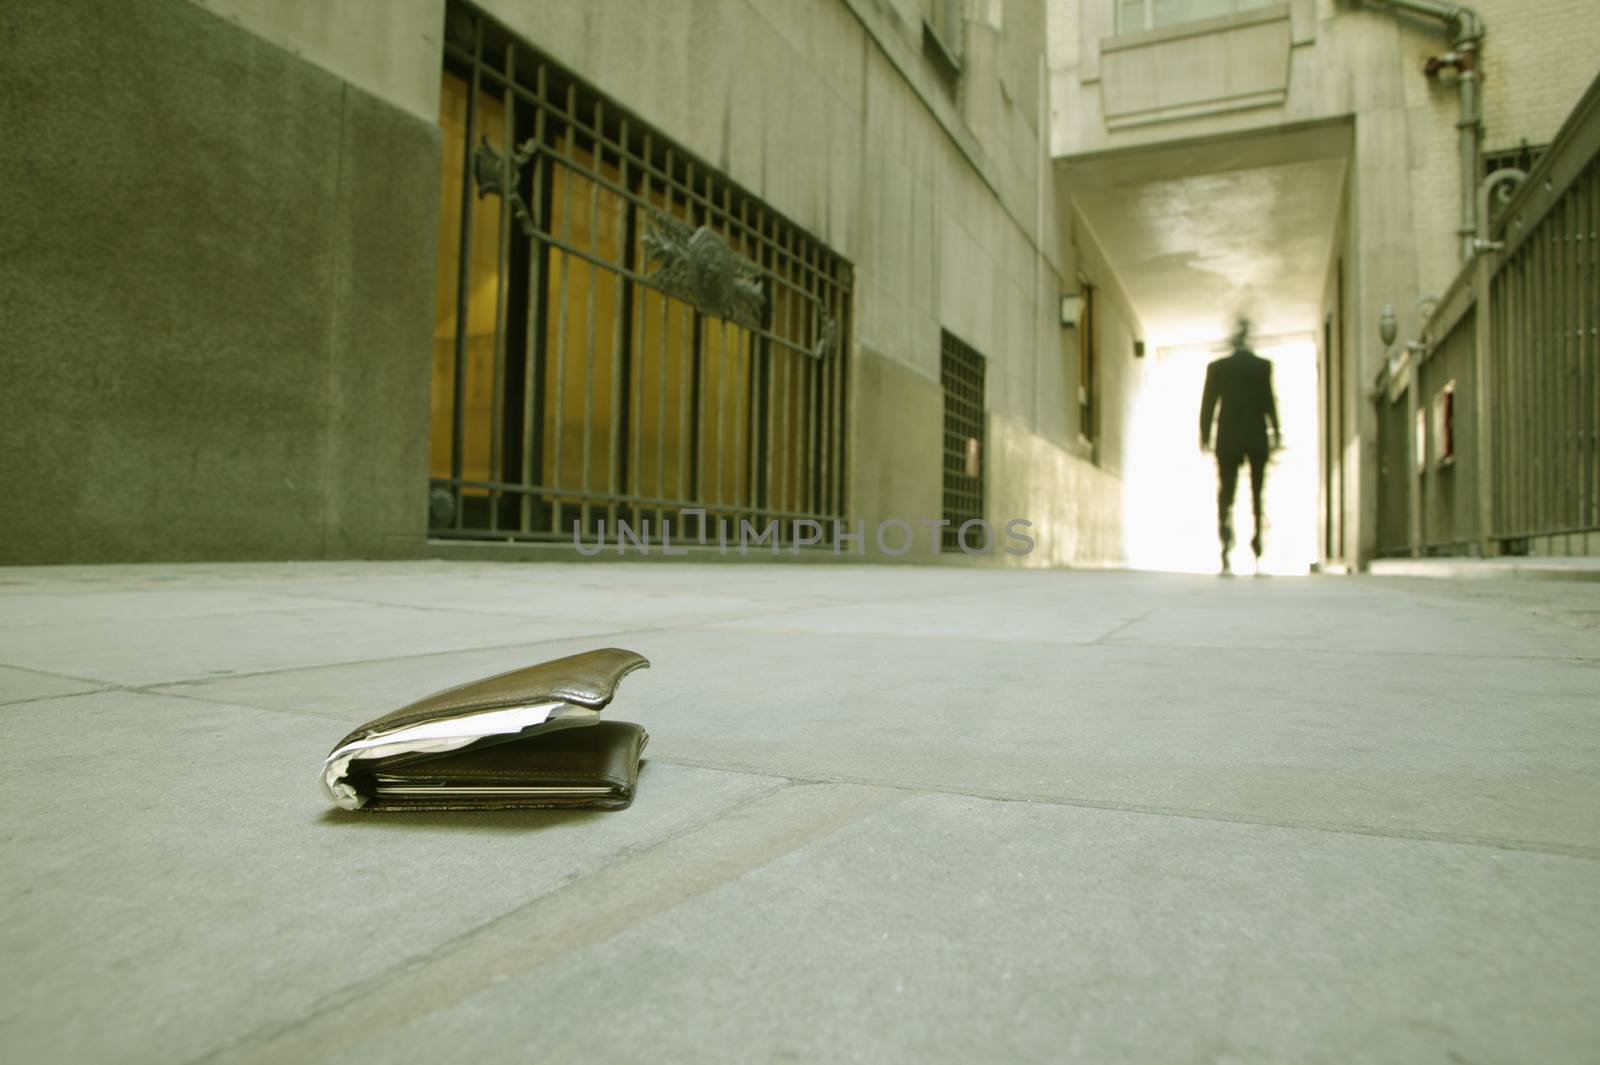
[(1198, 233)]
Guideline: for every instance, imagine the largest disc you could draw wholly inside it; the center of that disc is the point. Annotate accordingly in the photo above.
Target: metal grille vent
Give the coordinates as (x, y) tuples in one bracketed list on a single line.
[(961, 371)]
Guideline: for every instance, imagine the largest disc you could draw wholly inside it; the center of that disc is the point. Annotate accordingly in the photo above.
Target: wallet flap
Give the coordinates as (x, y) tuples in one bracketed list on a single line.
[(589, 680)]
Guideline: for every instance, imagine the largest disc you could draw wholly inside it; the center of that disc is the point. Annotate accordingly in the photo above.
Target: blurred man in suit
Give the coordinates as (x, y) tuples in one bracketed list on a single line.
[(1241, 383)]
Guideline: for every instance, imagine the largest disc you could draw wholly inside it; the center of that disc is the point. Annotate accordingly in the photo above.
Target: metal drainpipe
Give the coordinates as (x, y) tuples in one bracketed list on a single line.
[(1469, 32), (1483, 278)]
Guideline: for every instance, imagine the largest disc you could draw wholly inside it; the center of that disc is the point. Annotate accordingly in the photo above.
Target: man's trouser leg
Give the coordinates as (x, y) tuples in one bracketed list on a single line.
[(1227, 485), (1258, 476)]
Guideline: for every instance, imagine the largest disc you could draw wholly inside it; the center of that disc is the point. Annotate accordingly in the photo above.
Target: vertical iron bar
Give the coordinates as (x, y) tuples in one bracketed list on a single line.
[(637, 312), (1582, 319), (1498, 302), (841, 388), (661, 399), (1552, 363), (697, 409), (722, 375), (769, 321), (1566, 484), (1519, 452), (661, 360), (786, 376), (1583, 213), (1505, 308), (1592, 402), (1519, 455), (686, 391), (725, 366), (530, 473), (814, 386), (721, 329), (825, 404), (508, 135), (1558, 365), (830, 297), (698, 215), (589, 353), (1573, 474), (1580, 368), (619, 368), (458, 427), (557, 478), (1546, 362), (742, 489)]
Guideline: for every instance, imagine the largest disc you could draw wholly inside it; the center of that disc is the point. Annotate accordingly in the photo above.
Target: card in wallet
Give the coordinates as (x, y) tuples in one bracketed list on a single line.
[(528, 738)]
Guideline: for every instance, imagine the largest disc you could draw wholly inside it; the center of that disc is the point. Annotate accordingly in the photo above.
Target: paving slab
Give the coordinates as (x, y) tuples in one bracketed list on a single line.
[(166, 650), (1359, 616), (889, 813), (1043, 611), (174, 877), (1501, 750), (85, 603), (951, 929), (22, 685)]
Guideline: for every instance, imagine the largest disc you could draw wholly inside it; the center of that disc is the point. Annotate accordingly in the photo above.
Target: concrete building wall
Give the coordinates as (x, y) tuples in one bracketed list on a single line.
[(232, 339), (216, 262), (1537, 60), (386, 48)]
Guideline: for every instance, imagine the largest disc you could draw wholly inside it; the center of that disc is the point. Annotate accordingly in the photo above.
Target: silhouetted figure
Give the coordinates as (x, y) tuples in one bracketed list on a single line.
[(1242, 384)]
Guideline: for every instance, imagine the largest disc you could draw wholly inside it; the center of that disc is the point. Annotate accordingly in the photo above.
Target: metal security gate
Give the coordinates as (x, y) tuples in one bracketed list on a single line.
[(621, 334), (961, 371)]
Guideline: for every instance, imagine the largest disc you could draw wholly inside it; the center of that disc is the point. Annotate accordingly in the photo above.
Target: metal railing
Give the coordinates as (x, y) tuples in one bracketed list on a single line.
[(1540, 354), (622, 333)]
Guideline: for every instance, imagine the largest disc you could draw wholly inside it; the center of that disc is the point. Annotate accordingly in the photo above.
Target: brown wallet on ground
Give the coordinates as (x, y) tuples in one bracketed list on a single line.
[(528, 738)]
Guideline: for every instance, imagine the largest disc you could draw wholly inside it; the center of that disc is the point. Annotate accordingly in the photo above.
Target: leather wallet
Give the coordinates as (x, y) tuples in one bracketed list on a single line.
[(528, 738)]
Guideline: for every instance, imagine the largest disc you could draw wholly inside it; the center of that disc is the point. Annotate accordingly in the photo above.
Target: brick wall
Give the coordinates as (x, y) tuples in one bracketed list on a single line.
[(1538, 58)]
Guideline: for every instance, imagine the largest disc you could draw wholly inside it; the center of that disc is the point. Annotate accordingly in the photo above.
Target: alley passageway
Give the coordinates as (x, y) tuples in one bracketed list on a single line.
[(887, 812)]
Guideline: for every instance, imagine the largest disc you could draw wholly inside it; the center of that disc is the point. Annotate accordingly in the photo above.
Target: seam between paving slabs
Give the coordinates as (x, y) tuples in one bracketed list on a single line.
[(476, 960), (1564, 850)]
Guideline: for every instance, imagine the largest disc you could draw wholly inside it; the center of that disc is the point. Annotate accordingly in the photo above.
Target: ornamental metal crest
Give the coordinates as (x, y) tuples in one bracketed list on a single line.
[(827, 335), (698, 266), (502, 176)]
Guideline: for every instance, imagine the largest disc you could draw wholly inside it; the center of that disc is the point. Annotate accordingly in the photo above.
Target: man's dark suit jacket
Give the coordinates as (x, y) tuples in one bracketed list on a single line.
[(1242, 383)]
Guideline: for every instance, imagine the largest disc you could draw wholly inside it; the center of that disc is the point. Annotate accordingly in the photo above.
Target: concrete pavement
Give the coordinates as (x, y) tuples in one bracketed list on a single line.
[(888, 814)]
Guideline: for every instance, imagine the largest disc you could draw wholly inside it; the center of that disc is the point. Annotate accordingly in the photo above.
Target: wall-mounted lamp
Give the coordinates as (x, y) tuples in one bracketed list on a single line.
[(1071, 310), (1388, 325)]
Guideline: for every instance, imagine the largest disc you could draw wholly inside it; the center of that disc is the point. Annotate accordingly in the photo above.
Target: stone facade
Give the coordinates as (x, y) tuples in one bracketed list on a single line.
[(284, 184)]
